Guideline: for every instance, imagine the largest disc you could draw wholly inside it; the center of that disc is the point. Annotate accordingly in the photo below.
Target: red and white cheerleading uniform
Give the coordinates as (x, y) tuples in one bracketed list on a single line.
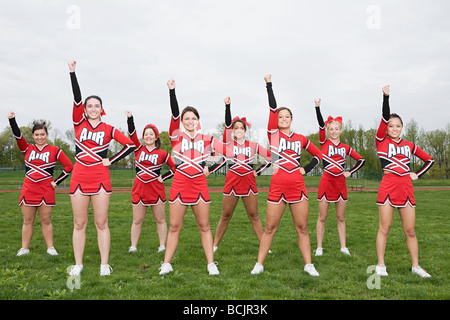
[(332, 186), (89, 175), (40, 163), (147, 190), (287, 183), (395, 156), (189, 185), (240, 180)]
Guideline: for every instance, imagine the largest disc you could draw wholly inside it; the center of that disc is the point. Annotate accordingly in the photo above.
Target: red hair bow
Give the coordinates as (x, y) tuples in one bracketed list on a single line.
[(330, 119), (155, 129), (242, 119)]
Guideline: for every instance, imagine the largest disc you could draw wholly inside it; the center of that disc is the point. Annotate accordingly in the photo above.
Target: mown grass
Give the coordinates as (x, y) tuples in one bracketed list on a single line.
[(39, 276), (123, 178)]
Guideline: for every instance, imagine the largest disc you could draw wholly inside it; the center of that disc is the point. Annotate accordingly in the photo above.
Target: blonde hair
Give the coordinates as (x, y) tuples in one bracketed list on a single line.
[(340, 124)]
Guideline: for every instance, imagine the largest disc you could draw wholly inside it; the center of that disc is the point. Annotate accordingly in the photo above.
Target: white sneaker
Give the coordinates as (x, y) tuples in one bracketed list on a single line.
[(318, 252), (105, 270), (22, 252), (215, 248), (381, 270), (345, 251), (309, 268), (75, 270), (212, 269), (165, 268), (257, 269), (132, 249), (52, 251), (161, 248), (419, 271)]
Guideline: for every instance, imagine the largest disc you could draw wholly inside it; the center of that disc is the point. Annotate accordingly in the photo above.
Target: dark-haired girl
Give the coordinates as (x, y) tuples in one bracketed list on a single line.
[(240, 179), (148, 188), (396, 189), (287, 185), (38, 190), (91, 179), (189, 187)]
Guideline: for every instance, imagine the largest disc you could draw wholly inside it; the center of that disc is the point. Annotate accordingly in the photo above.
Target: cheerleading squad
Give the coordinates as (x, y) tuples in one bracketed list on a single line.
[(91, 183)]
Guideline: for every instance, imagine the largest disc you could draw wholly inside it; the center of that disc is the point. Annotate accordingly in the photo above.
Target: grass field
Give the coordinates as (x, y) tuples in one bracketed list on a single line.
[(123, 178), (39, 276)]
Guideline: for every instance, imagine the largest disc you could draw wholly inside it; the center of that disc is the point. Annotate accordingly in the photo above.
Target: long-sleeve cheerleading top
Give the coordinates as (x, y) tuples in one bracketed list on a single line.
[(189, 184), (90, 176), (40, 164), (147, 190), (287, 182), (332, 186), (240, 179), (395, 157)]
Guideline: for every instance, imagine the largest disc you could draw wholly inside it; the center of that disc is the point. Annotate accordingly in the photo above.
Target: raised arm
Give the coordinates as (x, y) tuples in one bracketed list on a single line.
[(20, 139), (132, 129), (318, 113), (386, 112), (73, 79), (226, 137), (173, 98), (270, 95), (14, 127), (322, 134), (174, 127), (77, 110), (227, 129), (386, 108), (272, 126)]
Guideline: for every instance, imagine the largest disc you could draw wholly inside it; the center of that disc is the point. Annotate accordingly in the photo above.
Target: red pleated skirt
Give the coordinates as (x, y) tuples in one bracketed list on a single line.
[(37, 193), (287, 187), (332, 188), (189, 191), (148, 194), (240, 186), (396, 190), (90, 180)]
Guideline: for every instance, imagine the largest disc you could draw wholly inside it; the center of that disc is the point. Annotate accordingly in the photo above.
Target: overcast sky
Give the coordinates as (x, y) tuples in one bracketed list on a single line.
[(341, 51)]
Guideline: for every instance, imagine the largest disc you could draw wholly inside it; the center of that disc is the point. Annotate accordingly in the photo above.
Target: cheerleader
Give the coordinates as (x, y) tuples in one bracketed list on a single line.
[(148, 188), (240, 179), (287, 185), (396, 190), (91, 179), (38, 190), (189, 186), (332, 186)]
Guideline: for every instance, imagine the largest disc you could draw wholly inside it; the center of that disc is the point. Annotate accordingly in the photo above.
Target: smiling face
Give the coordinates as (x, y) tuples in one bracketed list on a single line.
[(190, 121), (394, 128), (93, 108), (238, 130), (284, 119), (334, 130), (40, 137), (149, 137)]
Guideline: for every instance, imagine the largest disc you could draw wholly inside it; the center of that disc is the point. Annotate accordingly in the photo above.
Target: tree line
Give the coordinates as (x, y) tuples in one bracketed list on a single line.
[(435, 142)]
